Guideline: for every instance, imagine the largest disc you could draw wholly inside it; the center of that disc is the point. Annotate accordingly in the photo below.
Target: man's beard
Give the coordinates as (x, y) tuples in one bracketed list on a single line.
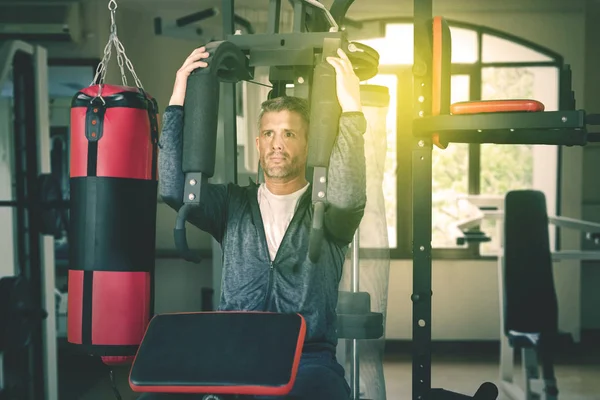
[(288, 167)]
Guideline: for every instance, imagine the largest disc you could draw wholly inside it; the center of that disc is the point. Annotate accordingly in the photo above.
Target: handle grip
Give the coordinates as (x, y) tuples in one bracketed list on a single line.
[(181, 237)]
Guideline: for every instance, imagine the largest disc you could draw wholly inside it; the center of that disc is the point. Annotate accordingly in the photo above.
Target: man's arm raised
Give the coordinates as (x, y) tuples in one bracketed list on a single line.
[(346, 191), (210, 216)]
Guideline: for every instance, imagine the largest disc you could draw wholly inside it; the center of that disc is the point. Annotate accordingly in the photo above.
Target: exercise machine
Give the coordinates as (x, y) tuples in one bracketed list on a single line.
[(526, 284), (529, 312), (424, 79), (438, 123), (297, 59), (28, 201), (492, 207)]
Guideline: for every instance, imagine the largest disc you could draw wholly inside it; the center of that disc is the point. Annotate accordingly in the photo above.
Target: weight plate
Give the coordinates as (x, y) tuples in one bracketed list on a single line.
[(365, 60)]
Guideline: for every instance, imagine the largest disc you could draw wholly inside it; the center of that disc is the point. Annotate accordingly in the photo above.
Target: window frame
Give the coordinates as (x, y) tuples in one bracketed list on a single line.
[(403, 249)]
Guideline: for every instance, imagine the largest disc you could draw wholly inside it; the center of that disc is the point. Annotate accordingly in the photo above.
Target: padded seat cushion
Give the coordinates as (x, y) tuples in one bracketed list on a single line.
[(496, 106), (250, 353)]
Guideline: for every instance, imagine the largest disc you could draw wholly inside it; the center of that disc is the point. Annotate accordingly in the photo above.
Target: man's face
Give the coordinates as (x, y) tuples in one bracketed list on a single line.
[(282, 144)]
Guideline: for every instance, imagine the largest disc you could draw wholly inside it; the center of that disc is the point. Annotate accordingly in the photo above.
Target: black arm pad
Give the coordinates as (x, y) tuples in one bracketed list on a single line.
[(226, 63), (324, 116), (201, 110)]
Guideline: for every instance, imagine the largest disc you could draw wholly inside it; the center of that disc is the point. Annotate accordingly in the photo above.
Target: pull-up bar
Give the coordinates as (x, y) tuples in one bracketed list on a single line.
[(438, 123)]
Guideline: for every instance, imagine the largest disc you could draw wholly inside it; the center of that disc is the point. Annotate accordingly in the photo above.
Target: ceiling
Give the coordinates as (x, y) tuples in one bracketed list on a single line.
[(370, 8), (255, 10), (359, 10)]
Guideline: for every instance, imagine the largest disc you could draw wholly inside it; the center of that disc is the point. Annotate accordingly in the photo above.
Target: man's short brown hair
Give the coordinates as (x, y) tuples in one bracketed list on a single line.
[(286, 103)]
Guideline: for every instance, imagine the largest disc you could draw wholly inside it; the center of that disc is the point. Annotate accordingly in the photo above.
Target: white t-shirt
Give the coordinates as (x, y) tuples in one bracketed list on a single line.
[(277, 212)]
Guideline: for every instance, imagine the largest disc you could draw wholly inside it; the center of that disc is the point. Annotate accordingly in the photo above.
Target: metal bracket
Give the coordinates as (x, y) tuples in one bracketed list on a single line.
[(319, 192), (193, 186)]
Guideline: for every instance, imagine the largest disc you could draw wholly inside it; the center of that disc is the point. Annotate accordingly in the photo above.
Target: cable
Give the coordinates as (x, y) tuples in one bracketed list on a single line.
[(261, 84), (114, 385)]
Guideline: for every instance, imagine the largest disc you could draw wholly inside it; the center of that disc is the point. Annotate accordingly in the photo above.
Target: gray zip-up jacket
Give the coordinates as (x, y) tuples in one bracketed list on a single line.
[(292, 283)]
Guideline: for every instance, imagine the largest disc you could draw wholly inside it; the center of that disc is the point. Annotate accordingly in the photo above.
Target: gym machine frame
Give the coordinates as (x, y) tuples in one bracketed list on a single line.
[(564, 127), (291, 58), (492, 208), (29, 297)]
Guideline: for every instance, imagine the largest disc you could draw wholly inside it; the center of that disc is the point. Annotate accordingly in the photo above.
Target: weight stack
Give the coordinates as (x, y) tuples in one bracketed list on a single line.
[(113, 177)]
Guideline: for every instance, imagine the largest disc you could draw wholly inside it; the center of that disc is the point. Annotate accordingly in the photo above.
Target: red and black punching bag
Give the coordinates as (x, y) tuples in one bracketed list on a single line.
[(114, 135)]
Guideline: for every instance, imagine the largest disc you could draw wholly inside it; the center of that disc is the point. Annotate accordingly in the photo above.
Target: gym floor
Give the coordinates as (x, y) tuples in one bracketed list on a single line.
[(462, 368), (457, 367)]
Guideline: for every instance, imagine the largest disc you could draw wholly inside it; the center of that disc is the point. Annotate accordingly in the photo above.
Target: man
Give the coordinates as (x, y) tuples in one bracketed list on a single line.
[(264, 229)]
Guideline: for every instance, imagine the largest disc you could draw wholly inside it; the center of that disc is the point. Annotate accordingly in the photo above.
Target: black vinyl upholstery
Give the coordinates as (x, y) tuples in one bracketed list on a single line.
[(530, 304), (218, 349)]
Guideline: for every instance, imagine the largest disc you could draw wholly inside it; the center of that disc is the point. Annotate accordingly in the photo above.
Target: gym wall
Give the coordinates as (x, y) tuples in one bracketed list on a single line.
[(465, 302)]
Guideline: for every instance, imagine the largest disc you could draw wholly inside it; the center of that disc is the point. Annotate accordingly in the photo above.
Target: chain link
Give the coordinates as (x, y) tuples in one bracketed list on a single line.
[(122, 59)]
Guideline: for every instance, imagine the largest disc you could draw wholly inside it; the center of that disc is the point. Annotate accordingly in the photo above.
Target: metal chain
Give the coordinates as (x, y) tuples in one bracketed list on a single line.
[(113, 40)]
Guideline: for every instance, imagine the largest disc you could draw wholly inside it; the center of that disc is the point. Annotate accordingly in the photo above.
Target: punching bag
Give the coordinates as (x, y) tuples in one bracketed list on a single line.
[(114, 135)]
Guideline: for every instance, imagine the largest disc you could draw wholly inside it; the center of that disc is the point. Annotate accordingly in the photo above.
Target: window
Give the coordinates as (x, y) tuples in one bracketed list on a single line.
[(510, 167), (450, 169), (496, 50), (486, 64)]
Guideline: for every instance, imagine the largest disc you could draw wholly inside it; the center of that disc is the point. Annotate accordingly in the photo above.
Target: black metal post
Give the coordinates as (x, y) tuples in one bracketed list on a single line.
[(196, 17), (26, 377), (422, 204), (299, 16), (273, 18), (229, 103), (422, 178)]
